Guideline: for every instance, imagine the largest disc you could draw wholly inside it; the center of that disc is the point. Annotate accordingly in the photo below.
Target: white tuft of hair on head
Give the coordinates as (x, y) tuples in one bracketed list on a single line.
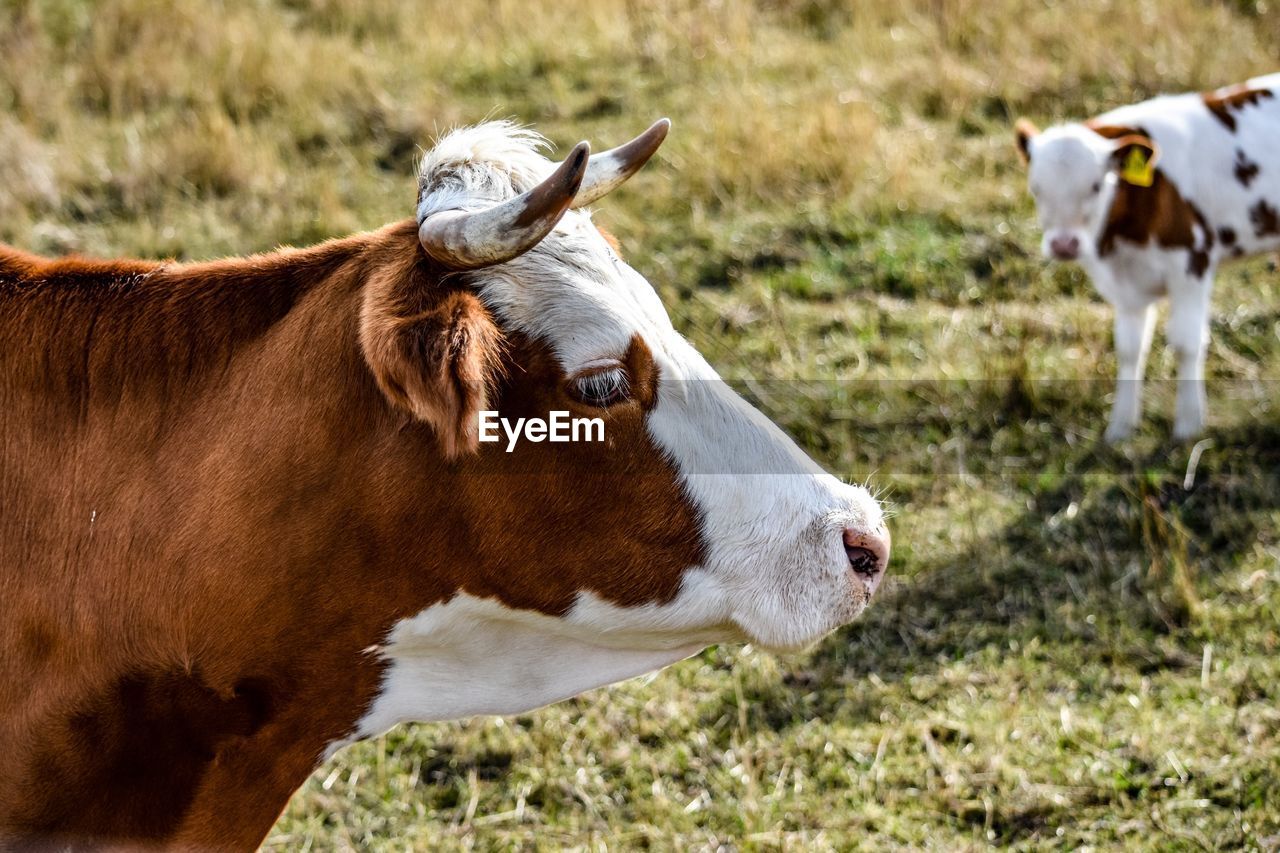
[(477, 166)]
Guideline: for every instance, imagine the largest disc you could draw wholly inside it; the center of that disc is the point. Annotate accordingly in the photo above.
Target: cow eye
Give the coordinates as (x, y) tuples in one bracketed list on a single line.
[(1097, 185), (603, 388)]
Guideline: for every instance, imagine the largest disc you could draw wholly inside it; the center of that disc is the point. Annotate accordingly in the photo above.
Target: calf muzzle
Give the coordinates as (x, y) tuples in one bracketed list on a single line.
[(1065, 248)]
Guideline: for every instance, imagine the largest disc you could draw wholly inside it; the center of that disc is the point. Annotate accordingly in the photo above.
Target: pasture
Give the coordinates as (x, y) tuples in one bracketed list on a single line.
[(1077, 645)]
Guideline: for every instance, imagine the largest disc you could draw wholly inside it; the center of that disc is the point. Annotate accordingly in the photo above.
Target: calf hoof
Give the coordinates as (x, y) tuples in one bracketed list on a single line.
[(1188, 431), (1117, 433)]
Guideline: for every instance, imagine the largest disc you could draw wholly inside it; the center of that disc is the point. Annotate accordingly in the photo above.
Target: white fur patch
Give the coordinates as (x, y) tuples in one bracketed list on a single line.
[(473, 167), (473, 656)]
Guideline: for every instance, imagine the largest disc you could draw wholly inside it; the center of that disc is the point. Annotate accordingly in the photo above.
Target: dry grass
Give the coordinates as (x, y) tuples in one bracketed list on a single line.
[(1076, 650)]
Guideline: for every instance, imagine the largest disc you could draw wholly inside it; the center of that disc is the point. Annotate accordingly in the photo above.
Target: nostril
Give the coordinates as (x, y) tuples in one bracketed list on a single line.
[(863, 561), (868, 552)]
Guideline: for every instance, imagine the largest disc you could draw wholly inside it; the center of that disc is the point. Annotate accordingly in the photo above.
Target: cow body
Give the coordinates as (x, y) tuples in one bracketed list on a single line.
[(246, 521), (1213, 195)]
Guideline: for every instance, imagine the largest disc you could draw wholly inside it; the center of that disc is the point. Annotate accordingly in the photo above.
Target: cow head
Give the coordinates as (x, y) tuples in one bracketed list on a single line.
[(695, 521), (1073, 172)]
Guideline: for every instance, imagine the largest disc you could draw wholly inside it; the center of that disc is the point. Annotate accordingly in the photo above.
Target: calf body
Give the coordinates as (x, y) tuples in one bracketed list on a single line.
[(1150, 198)]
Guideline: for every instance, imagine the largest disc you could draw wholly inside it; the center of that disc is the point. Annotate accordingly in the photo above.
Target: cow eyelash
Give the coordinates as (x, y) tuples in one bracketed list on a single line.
[(603, 388)]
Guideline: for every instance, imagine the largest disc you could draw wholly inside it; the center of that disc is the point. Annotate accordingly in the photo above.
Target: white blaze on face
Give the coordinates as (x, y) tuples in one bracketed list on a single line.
[(1071, 178), (773, 521)]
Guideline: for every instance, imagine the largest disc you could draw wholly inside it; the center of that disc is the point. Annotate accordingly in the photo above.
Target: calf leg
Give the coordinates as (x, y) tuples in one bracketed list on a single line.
[(1133, 342), (1188, 334)]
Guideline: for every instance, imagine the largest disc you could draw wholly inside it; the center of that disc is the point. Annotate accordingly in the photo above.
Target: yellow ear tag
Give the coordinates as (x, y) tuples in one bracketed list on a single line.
[(1137, 167)]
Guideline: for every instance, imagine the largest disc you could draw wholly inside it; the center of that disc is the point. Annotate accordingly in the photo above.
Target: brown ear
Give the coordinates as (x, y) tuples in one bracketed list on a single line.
[(1126, 143), (436, 355), (1025, 131)]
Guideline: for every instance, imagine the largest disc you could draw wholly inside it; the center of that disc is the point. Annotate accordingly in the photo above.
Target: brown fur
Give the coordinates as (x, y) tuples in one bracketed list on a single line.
[(435, 357), (1245, 169), (224, 482), (1111, 131), (1265, 219), (1024, 131), (1231, 99), (1158, 213)]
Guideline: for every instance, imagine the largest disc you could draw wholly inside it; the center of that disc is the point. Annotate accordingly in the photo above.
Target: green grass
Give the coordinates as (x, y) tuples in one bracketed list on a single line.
[(1074, 649)]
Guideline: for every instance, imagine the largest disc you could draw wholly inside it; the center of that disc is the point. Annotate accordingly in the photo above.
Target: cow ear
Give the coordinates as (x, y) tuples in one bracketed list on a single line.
[(436, 356), (1024, 132), (1135, 155)]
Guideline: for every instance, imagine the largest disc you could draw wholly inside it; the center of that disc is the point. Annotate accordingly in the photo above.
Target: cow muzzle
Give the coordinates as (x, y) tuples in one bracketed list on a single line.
[(868, 553)]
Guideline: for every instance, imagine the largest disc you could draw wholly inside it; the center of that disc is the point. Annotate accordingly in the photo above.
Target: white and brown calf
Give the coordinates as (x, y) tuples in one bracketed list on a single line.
[(1210, 190)]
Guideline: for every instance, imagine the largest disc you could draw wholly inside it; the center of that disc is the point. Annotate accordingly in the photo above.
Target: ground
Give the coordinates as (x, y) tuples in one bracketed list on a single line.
[(1078, 644)]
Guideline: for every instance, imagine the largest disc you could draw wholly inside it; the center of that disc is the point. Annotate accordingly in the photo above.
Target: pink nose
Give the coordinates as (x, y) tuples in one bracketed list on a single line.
[(1065, 248), (868, 554)]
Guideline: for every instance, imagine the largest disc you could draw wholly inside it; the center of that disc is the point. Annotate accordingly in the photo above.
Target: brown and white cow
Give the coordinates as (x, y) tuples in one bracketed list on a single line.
[(245, 517), (1149, 198)]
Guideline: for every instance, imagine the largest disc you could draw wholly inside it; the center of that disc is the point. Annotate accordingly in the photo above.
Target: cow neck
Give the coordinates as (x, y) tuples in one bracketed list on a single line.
[(226, 466)]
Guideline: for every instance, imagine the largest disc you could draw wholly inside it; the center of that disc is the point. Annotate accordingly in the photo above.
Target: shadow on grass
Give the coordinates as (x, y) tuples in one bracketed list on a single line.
[(1118, 539)]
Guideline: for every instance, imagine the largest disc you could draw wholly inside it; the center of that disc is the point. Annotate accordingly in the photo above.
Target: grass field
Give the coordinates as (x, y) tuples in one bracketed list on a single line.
[(1075, 648)]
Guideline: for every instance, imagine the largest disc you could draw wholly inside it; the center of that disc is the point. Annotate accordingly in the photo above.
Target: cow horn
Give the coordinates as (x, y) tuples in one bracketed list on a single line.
[(468, 240), (609, 169)]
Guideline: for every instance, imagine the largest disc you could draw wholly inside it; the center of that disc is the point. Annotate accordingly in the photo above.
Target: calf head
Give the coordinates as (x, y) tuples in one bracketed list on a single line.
[(1073, 172), (694, 521)]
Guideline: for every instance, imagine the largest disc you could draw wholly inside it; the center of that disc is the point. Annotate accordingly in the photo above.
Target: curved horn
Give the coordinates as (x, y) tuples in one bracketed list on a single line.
[(468, 240), (608, 169)]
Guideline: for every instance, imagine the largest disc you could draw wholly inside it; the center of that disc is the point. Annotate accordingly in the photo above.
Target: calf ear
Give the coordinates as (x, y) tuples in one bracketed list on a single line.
[(1134, 143), (1025, 131), (436, 356)]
